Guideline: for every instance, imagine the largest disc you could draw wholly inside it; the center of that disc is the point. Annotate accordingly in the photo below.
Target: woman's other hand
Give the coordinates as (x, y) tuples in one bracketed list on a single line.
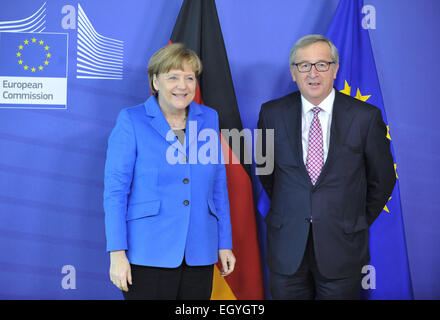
[(227, 259), (120, 271)]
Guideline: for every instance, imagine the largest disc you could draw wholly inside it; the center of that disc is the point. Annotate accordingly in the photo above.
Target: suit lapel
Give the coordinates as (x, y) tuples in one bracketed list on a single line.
[(292, 119), (341, 122)]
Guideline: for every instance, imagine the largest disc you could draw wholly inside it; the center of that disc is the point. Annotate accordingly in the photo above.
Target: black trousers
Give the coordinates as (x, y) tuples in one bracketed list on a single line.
[(182, 283), (307, 283)]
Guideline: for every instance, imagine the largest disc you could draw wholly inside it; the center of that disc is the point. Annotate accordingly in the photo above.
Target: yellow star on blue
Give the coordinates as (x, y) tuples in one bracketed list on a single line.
[(359, 96), (28, 44)]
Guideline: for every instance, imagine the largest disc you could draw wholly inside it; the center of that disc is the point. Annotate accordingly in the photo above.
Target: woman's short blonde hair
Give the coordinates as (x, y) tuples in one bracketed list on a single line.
[(171, 57)]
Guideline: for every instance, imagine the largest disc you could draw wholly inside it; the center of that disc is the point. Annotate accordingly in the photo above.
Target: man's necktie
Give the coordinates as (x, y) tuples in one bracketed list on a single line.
[(315, 155)]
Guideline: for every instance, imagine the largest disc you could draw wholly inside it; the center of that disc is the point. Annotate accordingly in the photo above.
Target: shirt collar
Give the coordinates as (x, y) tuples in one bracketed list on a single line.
[(326, 104)]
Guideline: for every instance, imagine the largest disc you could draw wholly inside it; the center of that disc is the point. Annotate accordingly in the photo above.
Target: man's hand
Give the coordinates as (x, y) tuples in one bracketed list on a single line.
[(227, 259), (120, 271)]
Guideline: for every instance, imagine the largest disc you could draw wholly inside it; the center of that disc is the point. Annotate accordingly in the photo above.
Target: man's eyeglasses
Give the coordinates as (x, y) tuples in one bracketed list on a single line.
[(320, 66)]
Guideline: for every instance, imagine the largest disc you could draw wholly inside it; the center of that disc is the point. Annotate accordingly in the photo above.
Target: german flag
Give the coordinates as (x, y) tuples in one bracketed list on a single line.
[(198, 27)]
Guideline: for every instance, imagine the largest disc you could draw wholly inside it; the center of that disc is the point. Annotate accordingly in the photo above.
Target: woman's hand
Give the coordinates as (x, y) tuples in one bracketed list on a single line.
[(120, 271), (227, 259)]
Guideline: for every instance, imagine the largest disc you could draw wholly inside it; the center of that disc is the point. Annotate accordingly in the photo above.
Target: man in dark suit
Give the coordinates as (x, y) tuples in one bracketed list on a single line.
[(333, 174)]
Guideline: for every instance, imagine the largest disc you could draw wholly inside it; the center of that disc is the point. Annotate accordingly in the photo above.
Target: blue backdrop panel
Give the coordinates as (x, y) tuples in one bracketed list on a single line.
[(52, 161), (51, 169)]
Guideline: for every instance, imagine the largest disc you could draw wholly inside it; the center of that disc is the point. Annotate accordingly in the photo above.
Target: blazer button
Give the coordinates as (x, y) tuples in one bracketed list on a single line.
[(186, 202), (186, 181)]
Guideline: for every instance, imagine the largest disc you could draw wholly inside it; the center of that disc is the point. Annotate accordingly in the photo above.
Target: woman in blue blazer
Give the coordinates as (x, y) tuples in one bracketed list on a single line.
[(167, 209)]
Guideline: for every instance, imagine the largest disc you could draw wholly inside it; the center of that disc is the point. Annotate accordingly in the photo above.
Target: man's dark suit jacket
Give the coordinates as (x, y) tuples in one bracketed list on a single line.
[(355, 184)]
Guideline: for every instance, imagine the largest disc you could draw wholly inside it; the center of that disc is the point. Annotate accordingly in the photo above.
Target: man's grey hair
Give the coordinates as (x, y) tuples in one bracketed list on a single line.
[(311, 39)]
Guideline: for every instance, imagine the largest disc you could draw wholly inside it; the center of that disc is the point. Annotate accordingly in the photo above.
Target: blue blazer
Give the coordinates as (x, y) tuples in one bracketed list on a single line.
[(156, 209)]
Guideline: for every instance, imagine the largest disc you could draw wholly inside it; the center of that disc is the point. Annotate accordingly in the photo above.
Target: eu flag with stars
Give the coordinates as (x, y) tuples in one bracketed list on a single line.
[(24, 54), (33, 54), (387, 276), (33, 70)]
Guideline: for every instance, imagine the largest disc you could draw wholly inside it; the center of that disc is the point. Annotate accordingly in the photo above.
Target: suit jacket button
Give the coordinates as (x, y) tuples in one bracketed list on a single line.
[(186, 202), (186, 181)]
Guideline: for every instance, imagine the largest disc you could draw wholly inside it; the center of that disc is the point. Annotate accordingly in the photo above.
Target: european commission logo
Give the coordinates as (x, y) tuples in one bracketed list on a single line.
[(99, 57), (33, 70)]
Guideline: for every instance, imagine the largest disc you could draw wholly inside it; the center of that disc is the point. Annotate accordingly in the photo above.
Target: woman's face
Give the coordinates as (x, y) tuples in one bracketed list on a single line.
[(176, 88)]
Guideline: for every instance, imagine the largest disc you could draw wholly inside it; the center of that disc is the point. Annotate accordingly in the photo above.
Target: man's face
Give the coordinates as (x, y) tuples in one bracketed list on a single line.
[(314, 86)]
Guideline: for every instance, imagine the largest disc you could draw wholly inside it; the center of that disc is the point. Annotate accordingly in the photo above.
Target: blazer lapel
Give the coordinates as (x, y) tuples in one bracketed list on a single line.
[(160, 124), (158, 121), (194, 124)]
